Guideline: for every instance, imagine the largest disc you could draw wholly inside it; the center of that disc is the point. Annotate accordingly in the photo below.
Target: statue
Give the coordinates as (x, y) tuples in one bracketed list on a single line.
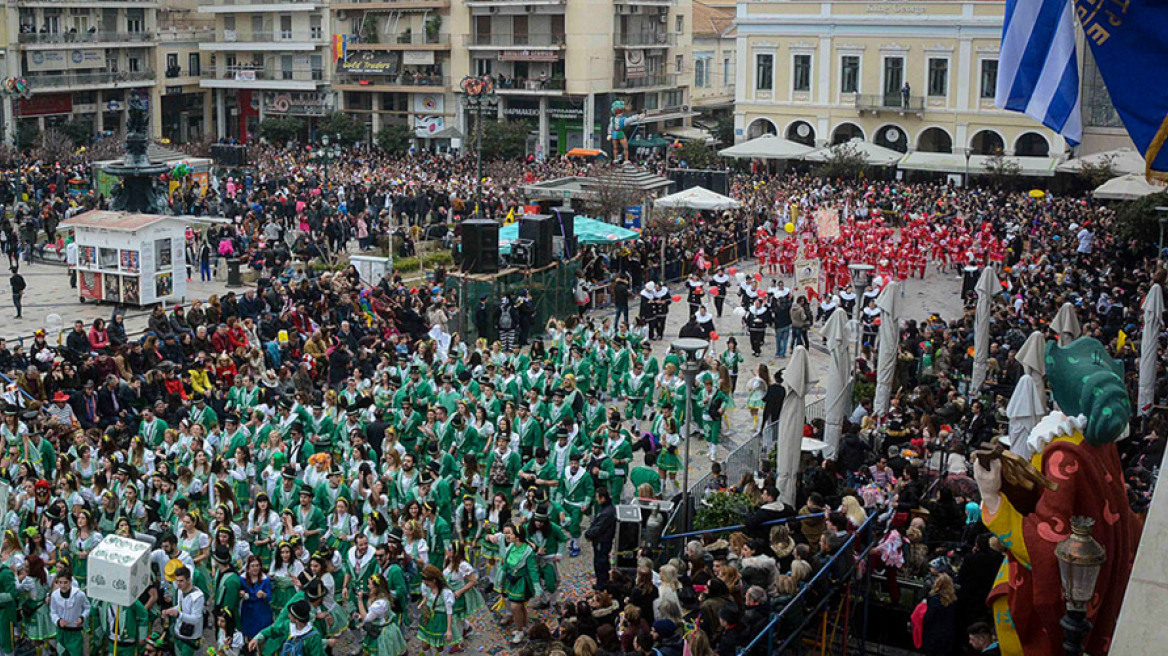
[(137, 190), (1075, 451), (616, 130)]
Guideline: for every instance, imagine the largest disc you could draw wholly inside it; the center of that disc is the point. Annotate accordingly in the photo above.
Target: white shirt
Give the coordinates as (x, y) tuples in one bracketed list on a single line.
[(1086, 240), (190, 611), (73, 610)]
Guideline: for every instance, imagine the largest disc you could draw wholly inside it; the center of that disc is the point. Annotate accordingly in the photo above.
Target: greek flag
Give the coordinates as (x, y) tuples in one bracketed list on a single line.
[(1038, 73)]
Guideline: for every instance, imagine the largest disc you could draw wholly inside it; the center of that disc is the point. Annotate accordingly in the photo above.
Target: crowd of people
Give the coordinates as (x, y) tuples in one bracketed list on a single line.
[(319, 462)]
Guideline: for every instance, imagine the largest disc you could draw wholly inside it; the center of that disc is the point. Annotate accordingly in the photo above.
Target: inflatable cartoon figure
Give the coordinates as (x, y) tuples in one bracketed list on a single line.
[(1075, 450), (616, 131)]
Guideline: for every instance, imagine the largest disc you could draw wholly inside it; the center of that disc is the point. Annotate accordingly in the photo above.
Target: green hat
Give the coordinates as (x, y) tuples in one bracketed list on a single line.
[(1085, 380)]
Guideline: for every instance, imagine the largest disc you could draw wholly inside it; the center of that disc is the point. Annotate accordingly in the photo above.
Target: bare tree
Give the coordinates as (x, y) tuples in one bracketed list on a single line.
[(611, 195), (54, 146), (1001, 169), (1097, 174)]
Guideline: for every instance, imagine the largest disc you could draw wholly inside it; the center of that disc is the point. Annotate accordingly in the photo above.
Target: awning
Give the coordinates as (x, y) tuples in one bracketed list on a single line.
[(697, 198), (873, 154), (587, 231), (1128, 187), (690, 133), (651, 142), (1042, 167), (447, 133), (665, 116), (1123, 161), (767, 146)]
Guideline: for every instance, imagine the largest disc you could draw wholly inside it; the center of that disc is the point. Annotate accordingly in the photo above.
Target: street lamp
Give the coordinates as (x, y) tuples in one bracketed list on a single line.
[(861, 278), (968, 154), (692, 352), (478, 90), (1080, 558), (326, 154), (1163, 218)]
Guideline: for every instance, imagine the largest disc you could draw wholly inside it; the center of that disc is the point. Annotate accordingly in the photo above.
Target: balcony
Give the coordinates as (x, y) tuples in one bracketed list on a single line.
[(512, 3), (623, 82), (230, 40), (646, 3), (519, 86), (232, 6), (262, 77), (403, 41), (82, 81), (186, 36), (547, 40), (387, 5), (890, 102), (91, 4), (74, 39), (644, 40), (404, 81)]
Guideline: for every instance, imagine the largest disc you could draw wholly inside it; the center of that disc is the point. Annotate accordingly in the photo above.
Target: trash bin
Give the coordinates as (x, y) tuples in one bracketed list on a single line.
[(234, 277)]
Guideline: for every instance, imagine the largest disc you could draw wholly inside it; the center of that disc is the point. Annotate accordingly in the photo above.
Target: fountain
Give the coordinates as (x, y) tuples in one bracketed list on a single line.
[(138, 191)]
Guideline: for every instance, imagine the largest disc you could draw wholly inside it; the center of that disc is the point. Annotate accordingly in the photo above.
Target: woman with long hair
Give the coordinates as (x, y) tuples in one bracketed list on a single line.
[(756, 390), (383, 636), (286, 576), (415, 547), (517, 577), (82, 539), (939, 626), (498, 516), (256, 593), (35, 587), (262, 524), (463, 580), (438, 628)]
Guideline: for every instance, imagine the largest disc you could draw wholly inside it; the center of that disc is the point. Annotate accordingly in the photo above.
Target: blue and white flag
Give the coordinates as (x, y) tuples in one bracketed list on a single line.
[(1038, 73)]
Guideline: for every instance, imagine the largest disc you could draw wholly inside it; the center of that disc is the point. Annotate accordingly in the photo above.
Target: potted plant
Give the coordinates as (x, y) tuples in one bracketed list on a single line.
[(433, 24)]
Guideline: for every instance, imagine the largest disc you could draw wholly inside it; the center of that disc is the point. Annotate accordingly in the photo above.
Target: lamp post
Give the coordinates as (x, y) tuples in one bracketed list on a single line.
[(692, 352), (1163, 218), (327, 153), (1080, 558), (968, 154), (478, 90), (861, 278)]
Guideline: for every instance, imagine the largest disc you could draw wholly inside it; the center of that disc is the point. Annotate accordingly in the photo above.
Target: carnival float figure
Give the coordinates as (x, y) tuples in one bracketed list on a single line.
[(1073, 471), (616, 130)]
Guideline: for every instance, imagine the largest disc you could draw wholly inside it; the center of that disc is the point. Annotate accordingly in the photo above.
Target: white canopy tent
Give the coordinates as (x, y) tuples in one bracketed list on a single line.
[(1150, 348), (697, 198), (1127, 187), (1123, 161), (874, 155), (987, 287), (1027, 404), (768, 146), (797, 381), (1040, 167)]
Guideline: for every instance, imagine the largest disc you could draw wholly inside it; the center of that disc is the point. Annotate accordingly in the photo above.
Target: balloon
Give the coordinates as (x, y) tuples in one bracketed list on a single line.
[(714, 336), (739, 312), (713, 291), (739, 276), (790, 227), (758, 276), (706, 266), (677, 298), (732, 271)]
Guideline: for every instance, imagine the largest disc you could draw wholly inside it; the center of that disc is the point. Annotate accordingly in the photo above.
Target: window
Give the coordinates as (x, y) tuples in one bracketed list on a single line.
[(286, 67), (314, 27), (194, 64), (801, 73), (134, 64), (989, 77), (938, 77), (135, 20), (701, 73), (764, 72), (680, 21), (171, 60), (229, 23), (727, 75), (519, 30), (286, 26), (850, 74), (317, 64), (651, 101), (893, 80), (674, 98), (483, 67), (679, 63), (482, 30)]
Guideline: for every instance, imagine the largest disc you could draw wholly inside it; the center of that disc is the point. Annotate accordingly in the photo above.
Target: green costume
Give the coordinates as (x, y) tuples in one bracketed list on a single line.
[(641, 475), (133, 626), (552, 546), (227, 586), (518, 573), (576, 492), (437, 618)]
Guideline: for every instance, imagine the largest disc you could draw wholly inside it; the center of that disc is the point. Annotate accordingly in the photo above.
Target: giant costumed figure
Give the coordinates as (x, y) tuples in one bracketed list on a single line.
[(1074, 449), (616, 130)]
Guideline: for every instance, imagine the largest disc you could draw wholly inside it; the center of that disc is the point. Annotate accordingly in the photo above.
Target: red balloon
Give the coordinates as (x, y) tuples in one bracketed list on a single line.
[(732, 270), (677, 298), (713, 291), (714, 336), (758, 276)]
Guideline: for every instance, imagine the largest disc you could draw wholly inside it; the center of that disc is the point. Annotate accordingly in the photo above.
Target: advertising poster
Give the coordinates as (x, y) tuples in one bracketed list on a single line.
[(130, 292), (113, 288), (89, 285), (130, 261), (163, 285)]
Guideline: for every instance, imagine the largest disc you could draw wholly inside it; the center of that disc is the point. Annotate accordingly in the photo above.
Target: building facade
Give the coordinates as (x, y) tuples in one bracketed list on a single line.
[(182, 108), (81, 59), (907, 75), (269, 58), (714, 61)]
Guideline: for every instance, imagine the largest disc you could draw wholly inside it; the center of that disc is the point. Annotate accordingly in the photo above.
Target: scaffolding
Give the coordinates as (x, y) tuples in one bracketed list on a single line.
[(550, 288)]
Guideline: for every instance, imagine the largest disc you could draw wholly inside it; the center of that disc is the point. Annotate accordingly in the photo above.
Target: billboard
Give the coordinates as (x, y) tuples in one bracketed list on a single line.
[(65, 60)]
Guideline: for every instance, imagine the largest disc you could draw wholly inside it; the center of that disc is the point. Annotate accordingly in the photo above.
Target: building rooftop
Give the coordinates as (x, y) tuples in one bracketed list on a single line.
[(119, 221), (713, 18)]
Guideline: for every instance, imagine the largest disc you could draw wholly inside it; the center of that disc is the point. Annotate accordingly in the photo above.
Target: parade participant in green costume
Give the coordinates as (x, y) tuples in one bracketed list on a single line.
[(360, 563), (530, 430), (201, 413), (82, 539), (592, 418), (438, 628), (383, 636), (389, 565), (713, 401), (285, 571), (34, 588), (298, 629), (262, 523), (646, 474), (311, 518), (502, 466), (342, 526), (548, 540), (668, 462), (517, 578), (302, 608), (226, 581), (539, 471), (151, 428), (437, 533), (326, 494), (636, 386), (69, 609), (620, 450), (463, 580), (128, 626), (576, 490)]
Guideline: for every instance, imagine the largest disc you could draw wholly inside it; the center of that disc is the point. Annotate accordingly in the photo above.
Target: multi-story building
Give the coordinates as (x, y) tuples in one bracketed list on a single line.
[(714, 60), (182, 108), (395, 64), (81, 58), (269, 58), (905, 74), (560, 64)]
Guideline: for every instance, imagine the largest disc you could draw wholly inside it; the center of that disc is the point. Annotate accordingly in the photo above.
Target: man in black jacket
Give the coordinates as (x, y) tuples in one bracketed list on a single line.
[(601, 534), (665, 638), (771, 509), (620, 298), (77, 343), (734, 634)]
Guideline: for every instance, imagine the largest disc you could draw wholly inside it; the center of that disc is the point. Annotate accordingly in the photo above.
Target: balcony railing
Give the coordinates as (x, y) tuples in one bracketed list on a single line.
[(244, 3), (642, 39), (402, 79), (86, 37), (374, 4), (504, 84), (516, 40), (662, 80), (874, 102), (279, 36), (185, 35), (405, 38), (249, 73), (39, 82)]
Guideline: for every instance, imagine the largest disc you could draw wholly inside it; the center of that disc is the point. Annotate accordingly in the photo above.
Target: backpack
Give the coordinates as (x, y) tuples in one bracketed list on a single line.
[(498, 473), (293, 646)]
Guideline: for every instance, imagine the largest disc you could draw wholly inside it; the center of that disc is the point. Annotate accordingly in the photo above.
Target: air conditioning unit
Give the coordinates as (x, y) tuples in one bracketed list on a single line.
[(664, 18), (341, 15)]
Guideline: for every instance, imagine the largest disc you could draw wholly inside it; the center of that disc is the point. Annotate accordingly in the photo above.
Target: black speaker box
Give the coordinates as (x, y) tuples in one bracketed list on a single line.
[(229, 155), (480, 246), (564, 222), (539, 229)]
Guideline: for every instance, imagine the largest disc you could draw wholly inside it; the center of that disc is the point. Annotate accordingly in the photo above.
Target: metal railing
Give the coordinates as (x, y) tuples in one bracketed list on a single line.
[(184, 35), (249, 73), (245, 3), (69, 38), (516, 40), (889, 101), (398, 80), (367, 4), (645, 39), (409, 38), (83, 79), (529, 84), (662, 80), (278, 36)]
